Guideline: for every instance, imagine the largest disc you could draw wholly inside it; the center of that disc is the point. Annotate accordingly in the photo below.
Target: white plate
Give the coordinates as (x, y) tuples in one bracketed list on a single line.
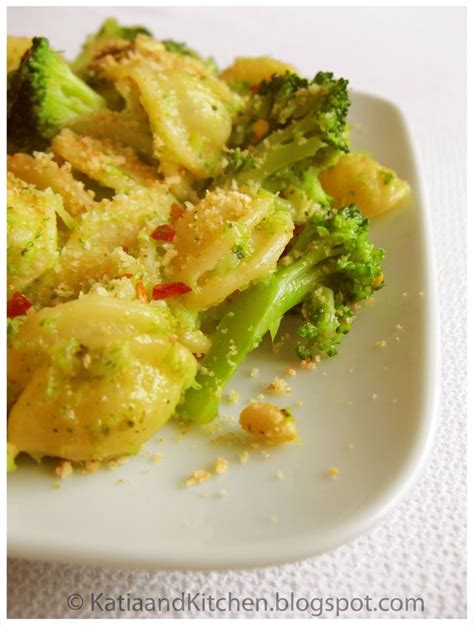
[(369, 411)]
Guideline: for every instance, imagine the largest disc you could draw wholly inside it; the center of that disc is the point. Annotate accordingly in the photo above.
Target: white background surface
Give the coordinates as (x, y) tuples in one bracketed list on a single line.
[(415, 57)]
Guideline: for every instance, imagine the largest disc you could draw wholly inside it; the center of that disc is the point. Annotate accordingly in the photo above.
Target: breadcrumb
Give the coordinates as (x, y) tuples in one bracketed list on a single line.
[(223, 492), (156, 457), (221, 465), (333, 472), (116, 462), (279, 474), (279, 387), (233, 397), (91, 466), (244, 456), (308, 364), (290, 372), (202, 475), (279, 344), (299, 403), (254, 372), (197, 477), (374, 396), (64, 469), (381, 343)]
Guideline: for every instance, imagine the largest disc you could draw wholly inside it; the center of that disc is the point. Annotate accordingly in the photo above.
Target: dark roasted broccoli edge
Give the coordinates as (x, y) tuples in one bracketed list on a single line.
[(109, 32), (44, 96)]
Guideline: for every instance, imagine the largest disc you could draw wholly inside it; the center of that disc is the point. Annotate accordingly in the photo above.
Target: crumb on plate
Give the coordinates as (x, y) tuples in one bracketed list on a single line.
[(244, 456), (64, 469), (233, 397), (279, 387), (197, 477), (221, 465)]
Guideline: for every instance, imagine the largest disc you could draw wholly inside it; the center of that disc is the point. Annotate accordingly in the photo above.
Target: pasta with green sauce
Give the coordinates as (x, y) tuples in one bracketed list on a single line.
[(163, 217)]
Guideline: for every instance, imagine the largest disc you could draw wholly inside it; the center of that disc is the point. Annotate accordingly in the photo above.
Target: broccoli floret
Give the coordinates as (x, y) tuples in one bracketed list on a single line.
[(45, 96), (288, 97), (327, 320), (301, 187), (178, 47), (238, 161), (289, 122), (113, 30), (109, 33), (332, 251)]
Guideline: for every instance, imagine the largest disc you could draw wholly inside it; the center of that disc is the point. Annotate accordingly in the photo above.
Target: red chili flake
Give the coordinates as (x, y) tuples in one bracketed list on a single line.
[(17, 305), (125, 249), (255, 88), (176, 212), (298, 228), (141, 293), (163, 233), (173, 289), (125, 275)]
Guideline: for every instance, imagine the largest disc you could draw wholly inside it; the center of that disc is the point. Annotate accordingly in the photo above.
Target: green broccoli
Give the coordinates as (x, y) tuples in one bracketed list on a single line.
[(178, 47), (110, 32), (328, 318), (332, 251), (286, 122), (300, 186), (44, 96)]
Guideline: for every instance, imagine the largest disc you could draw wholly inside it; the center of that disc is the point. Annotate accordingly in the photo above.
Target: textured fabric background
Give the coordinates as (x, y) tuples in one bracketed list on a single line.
[(416, 57)]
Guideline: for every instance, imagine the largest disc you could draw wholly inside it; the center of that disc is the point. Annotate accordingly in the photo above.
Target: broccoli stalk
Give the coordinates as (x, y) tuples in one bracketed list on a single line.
[(333, 252), (45, 96)]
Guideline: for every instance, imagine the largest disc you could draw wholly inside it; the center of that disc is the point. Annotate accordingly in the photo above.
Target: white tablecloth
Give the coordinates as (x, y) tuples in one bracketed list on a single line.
[(416, 57)]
